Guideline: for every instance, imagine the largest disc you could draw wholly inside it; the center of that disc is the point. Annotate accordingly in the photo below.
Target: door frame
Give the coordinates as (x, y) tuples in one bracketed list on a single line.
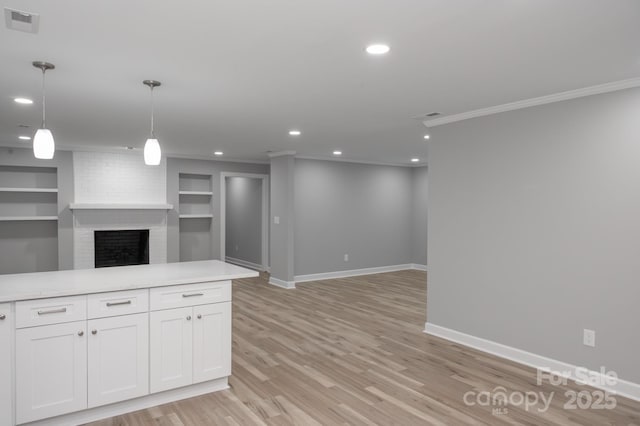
[(265, 214)]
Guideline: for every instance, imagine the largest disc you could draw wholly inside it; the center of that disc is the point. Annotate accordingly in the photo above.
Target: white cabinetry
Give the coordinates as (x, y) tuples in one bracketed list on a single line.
[(171, 343), (211, 342), (51, 370), (6, 379), (192, 342), (118, 358)]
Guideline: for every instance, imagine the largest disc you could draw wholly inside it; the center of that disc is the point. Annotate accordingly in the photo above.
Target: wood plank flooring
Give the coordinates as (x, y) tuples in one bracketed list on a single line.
[(352, 352)]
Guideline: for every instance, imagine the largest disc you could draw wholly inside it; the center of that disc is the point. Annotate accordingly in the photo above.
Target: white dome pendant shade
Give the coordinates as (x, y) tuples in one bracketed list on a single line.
[(44, 146), (152, 151)]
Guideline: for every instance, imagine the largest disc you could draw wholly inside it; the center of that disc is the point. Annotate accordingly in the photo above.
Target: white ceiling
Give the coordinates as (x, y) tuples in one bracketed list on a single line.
[(238, 74)]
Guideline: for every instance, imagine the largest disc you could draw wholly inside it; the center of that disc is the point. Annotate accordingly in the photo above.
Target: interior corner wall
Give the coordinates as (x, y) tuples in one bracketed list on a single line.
[(534, 232), (362, 210), (63, 162), (420, 215), (175, 166), (282, 242)]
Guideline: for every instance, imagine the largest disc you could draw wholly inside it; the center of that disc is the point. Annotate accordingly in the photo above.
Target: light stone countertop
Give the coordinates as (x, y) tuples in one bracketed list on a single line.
[(40, 285)]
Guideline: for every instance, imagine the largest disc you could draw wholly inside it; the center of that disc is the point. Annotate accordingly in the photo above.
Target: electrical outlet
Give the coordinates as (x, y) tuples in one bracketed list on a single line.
[(346, 257), (276, 220), (589, 338)]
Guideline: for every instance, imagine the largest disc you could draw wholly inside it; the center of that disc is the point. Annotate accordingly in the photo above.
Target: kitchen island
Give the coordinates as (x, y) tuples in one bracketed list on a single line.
[(81, 345)]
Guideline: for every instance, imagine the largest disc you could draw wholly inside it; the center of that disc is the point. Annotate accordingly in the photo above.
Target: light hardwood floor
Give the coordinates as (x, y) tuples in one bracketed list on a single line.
[(352, 351)]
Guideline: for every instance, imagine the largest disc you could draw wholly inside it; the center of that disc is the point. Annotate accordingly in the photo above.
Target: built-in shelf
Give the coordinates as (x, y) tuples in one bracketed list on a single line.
[(116, 206), (22, 218), (195, 216), (28, 189), (209, 193)]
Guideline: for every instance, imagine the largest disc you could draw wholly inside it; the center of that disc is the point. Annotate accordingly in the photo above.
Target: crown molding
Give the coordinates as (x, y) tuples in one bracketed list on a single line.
[(280, 154), (542, 100), (371, 163)]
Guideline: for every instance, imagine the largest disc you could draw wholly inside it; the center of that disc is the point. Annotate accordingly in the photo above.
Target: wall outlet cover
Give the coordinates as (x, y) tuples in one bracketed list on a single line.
[(589, 338)]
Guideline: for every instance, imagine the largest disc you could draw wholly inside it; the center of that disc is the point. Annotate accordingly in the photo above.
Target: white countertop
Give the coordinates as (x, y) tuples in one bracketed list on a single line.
[(40, 285)]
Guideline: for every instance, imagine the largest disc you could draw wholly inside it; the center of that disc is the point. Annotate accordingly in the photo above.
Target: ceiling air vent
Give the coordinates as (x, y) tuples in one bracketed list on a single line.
[(21, 21)]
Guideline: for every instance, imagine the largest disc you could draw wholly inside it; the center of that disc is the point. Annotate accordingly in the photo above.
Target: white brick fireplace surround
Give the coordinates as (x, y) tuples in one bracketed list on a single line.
[(108, 178)]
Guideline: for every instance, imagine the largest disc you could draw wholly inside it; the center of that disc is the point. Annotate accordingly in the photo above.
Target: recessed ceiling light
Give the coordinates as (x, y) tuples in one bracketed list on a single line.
[(338, 153), (24, 138), (378, 49), (295, 132), (218, 153), (415, 160), (427, 136), (25, 101)]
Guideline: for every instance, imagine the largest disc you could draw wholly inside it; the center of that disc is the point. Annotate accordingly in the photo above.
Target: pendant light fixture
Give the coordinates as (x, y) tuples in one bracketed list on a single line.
[(152, 152), (43, 143)]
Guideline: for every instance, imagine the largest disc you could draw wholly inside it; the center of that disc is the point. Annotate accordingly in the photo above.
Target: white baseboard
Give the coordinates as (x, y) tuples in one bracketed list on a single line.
[(355, 272), (621, 387), (244, 263), (418, 267), (281, 283), (153, 400)]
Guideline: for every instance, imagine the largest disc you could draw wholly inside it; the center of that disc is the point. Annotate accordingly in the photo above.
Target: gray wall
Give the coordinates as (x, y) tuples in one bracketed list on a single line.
[(243, 225), (175, 166), (282, 234), (361, 210), (31, 246), (534, 230), (420, 213)]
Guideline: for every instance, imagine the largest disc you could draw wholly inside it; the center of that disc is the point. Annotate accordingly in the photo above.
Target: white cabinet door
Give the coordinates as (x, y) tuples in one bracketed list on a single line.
[(51, 370), (118, 358), (171, 349), (6, 367), (211, 342)]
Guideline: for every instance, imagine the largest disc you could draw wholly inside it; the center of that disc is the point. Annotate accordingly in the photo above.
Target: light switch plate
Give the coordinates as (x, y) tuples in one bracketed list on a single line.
[(276, 220)]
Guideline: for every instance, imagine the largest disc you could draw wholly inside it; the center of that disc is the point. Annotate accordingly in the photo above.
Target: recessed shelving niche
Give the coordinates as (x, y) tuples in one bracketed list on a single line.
[(28, 219), (195, 211)]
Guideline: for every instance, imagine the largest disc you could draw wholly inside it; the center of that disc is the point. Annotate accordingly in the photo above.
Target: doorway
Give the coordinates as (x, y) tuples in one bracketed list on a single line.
[(244, 219)]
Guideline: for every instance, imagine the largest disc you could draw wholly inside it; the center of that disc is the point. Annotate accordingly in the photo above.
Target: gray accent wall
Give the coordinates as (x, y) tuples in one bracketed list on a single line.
[(40, 238), (175, 166), (243, 224), (534, 229), (420, 214), (362, 210)]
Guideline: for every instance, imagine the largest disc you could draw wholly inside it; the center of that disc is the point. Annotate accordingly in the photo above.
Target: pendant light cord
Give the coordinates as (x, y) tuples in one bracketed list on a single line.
[(152, 111), (43, 101)]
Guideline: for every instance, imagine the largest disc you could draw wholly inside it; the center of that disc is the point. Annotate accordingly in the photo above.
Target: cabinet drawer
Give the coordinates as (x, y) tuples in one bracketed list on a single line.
[(114, 303), (189, 295), (32, 313)]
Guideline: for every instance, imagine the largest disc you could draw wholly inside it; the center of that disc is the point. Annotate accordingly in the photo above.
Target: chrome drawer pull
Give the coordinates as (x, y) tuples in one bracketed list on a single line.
[(126, 302), (2, 316), (53, 311), (193, 295)]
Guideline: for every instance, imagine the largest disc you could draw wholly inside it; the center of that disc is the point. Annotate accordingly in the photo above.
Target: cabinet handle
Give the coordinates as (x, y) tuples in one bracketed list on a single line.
[(53, 311), (94, 332), (126, 302), (189, 318), (2, 316), (80, 333), (192, 294), (199, 316)]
